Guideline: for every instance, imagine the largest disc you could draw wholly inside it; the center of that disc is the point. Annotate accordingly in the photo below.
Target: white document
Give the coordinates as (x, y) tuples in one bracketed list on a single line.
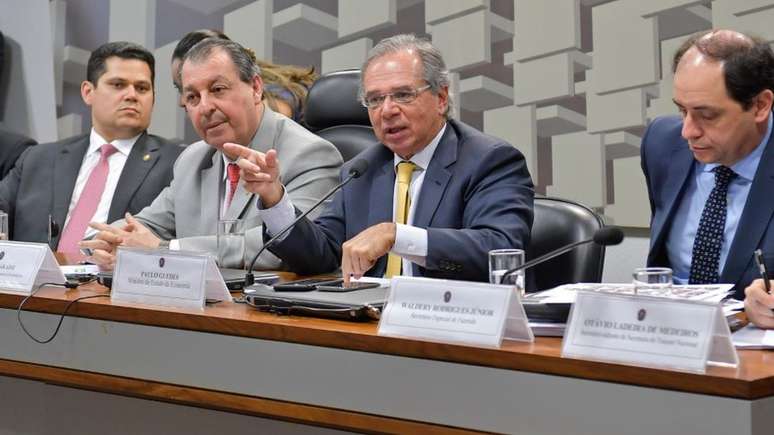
[(26, 265), (170, 278), (648, 331), (752, 337), (446, 311)]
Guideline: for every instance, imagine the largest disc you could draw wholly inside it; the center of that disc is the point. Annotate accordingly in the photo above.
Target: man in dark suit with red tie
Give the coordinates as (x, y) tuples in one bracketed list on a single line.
[(117, 168)]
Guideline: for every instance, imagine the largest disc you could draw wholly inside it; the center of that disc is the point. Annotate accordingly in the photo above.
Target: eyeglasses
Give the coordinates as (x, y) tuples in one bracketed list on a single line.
[(402, 96)]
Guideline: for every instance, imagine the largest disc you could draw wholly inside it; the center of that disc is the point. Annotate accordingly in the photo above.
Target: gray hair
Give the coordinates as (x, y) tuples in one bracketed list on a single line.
[(434, 70), (243, 59)]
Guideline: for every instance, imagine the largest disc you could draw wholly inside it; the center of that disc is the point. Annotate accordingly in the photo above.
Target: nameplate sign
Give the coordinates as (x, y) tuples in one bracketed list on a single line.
[(177, 279), (648, 331), (25, 265), (446, 311)]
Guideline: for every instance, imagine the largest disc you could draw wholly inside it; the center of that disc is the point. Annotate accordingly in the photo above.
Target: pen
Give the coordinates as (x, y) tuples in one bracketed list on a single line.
[(762, 269)]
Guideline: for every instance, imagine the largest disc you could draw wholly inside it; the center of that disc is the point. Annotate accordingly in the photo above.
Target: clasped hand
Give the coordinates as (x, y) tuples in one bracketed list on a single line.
[(104, 244)]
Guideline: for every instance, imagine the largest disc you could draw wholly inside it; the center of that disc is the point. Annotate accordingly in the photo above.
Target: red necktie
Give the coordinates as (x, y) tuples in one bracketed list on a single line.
[(232, 172), (87, 204)]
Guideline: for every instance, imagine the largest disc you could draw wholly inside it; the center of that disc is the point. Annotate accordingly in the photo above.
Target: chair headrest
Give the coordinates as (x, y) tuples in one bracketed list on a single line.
[(332, 100)]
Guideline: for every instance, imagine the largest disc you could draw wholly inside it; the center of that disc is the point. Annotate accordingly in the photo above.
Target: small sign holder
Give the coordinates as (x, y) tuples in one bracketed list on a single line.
[(178, 279), (452, 311), (648, 331), (26, 265)]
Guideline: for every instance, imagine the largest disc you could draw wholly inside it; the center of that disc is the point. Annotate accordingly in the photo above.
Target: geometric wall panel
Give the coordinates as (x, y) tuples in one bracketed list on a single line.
[(753, 16), (517, 126), (304, 27), (346, 56), (357, 16), (441, 10), (133, 21), (631, 207), (481, 93), (616, 111), (464, 41), (625, 47), (579, 168), (546, 27), (251, 26), (544, 79), (558, 120)]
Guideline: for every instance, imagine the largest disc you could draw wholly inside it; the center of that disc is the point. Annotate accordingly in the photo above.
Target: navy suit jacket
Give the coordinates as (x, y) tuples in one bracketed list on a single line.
[(43, 180), (477, 195), (668, 165)]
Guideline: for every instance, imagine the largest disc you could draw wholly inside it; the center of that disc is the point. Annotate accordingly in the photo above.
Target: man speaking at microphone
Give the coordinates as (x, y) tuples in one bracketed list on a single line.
[(438, 195)]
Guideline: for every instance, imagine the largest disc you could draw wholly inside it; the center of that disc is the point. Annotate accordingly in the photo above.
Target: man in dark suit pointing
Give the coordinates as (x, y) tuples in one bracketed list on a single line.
[(438, 194), (116, 168)]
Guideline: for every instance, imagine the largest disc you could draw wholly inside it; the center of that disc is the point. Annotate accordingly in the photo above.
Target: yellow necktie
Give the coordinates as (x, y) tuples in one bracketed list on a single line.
[(405, 169)]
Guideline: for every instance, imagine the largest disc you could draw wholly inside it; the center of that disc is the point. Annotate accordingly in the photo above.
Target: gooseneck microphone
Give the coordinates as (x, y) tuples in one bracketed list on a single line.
[(358, 168), (605, 236)]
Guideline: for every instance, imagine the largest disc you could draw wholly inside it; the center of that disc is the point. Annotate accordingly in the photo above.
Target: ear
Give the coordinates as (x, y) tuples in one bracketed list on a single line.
[(762, 105), (443, 99), (257, 89), (87, 91)]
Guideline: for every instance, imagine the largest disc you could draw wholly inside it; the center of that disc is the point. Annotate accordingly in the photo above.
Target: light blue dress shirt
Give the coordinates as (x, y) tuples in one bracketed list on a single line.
[(679, 242)]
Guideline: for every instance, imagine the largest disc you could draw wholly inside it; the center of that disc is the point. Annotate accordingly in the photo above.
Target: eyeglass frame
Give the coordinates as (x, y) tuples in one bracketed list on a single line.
[(414, 92)]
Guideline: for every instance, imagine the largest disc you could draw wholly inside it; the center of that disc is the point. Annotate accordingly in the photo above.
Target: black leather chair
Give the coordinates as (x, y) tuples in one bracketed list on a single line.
[(333, 112), (559, 222)]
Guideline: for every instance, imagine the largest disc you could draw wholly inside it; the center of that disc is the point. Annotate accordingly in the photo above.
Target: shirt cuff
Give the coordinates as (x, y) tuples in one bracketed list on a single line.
[(174, 245), (278, 217), (411, 243)]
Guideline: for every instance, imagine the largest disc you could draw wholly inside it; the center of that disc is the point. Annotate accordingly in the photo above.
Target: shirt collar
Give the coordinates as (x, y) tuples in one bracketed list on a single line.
[(422, 158), (124, 146), (747, 167)]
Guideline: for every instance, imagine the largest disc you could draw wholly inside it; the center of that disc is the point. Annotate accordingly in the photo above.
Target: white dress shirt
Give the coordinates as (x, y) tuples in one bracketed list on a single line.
[(410, 241), (116, 164)]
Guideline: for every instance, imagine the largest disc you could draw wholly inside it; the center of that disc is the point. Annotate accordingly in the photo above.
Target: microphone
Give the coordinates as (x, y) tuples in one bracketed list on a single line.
[(358, 168), (605, 236)]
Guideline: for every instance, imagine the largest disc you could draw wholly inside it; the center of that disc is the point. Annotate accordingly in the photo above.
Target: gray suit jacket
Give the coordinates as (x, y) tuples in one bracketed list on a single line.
[(11, 147), (188, 210), (42, 182)]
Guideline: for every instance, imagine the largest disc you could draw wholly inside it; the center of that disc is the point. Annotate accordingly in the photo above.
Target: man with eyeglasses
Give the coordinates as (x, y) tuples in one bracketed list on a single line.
[(439, 195)]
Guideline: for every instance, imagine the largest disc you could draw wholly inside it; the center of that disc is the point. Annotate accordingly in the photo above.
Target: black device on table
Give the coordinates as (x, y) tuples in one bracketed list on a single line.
[(323, 285)]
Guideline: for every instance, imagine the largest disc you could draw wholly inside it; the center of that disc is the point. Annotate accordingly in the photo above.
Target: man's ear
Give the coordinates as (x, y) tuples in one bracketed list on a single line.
[(762, 104), (87, 91), (257, 89)]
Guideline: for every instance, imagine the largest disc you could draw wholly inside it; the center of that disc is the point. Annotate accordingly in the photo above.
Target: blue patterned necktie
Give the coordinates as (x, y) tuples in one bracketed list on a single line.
[(705, 258)]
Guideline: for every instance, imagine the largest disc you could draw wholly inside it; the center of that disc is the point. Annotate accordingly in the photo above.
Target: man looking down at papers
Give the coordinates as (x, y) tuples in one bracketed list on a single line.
[(222, 90), (438, 194), (710, 171)]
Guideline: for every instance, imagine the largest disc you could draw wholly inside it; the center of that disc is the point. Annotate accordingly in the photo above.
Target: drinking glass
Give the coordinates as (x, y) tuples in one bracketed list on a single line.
[(653, 281), (502, 260)]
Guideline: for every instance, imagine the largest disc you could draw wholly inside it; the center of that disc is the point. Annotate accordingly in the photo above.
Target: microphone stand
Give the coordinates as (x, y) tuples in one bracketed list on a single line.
[(249, 277)]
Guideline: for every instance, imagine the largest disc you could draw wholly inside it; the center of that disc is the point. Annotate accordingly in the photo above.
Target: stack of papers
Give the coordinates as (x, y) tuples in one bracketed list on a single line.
[(565, 294), (751, 337)]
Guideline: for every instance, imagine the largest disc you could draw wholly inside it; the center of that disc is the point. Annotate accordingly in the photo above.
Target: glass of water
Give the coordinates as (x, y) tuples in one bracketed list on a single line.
[(230, 243), (502, 260), (653, 281)]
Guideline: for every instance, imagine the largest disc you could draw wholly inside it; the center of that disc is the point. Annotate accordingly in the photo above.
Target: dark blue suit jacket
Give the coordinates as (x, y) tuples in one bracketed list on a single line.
[(667, 163), (476, 196)]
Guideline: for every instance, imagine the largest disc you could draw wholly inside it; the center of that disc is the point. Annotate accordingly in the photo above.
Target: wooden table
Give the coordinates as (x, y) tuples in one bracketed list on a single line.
[(341, 375)]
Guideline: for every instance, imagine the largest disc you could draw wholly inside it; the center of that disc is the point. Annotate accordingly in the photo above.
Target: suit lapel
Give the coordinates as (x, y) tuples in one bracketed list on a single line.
[(436, 178), (757, 213), (141, 159), (211, 179), (381, 199), (67, 164), (677, 175)]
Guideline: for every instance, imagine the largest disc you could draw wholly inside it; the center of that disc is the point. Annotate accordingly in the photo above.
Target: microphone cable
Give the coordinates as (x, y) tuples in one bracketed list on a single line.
[(67, 285)]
